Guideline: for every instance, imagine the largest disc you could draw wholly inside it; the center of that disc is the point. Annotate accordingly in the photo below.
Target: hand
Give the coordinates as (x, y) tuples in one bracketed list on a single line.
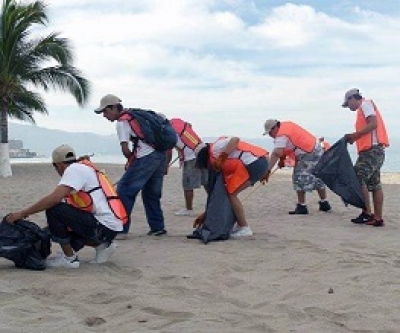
[(13, 217), (219, 161), (265, 178), (199, 221), (352, 137), (281, 163)]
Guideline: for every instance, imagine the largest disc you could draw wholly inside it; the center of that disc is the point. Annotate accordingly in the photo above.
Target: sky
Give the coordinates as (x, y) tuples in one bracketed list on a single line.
[(228, 65)]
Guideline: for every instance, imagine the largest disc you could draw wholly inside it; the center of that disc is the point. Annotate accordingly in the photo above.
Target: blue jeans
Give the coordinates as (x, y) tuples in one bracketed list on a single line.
[(145, 174)]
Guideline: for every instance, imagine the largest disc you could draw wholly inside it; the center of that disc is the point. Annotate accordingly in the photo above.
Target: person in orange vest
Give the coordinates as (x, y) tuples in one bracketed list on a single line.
[(192, 177), (70, 225), (242, 165), (371, 140), (290, 137), (324, 144)]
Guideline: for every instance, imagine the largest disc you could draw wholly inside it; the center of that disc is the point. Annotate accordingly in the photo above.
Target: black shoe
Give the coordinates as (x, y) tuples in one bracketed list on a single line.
[(194, 235), (157, 233), (324, 206), (363, 218), (300, 209)]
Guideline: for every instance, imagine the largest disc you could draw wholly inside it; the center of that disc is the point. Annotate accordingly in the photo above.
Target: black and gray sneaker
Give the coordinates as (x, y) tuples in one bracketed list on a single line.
[(300, 209), (324, 206), (363, 218)]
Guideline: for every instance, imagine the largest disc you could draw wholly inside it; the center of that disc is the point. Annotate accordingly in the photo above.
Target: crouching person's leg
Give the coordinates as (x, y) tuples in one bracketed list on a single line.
[(74, 228)]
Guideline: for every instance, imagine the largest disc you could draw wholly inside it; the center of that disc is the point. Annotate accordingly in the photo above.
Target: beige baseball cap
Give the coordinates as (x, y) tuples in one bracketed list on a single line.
[(348, 94), (109, 99), (63, 153), (269, 125)]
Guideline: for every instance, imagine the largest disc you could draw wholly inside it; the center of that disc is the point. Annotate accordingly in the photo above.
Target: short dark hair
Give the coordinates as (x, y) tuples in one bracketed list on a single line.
[(357, 97), (202, 159)]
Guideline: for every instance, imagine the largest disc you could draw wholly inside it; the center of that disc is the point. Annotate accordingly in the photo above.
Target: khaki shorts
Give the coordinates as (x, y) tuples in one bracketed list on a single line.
[(193, 177), (368, 167)]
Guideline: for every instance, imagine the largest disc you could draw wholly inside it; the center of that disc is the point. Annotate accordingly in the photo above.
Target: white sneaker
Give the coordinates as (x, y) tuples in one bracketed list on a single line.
[(235, 228), (242, 232), (63, 261), (184, 212), (103, 253)]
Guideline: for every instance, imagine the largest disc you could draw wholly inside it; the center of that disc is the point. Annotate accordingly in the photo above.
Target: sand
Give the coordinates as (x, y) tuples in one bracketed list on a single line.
[(315, 273)]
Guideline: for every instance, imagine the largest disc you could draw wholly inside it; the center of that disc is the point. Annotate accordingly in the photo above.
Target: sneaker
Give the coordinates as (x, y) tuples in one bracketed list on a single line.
[(235, 228), (103, 253), (157, 233), (324, 206), (242, 232), (184, 212), (63, 261), (376, 223), (363, 218), (300, 209)]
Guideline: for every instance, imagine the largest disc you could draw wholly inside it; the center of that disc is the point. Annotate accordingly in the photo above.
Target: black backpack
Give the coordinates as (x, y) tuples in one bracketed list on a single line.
[(156, 130), (25, 243)]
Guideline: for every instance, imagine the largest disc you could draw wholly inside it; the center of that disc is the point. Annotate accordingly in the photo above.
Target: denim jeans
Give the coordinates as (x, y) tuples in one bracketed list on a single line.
[(145, 174)]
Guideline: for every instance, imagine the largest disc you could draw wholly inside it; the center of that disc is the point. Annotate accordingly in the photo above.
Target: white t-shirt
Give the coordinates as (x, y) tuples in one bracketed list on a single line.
[(124, 132), (368, 110), (219, 146), (284, 142), (82, 177), (188, 153)]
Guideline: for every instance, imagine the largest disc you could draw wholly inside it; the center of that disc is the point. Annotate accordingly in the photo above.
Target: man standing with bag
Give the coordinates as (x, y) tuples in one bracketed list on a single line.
[(371, 140), (144, 171)]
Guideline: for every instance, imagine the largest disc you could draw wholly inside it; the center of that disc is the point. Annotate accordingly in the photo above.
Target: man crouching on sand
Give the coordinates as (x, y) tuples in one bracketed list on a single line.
[(80, 211)]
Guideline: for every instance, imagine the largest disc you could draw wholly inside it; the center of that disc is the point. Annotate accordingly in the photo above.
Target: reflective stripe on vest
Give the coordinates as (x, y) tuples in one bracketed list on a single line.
[(187, 135), (365, 142), (299, 137), (83, 200)]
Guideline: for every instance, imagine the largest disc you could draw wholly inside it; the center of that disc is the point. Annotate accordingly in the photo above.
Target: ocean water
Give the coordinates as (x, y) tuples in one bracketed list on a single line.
[(392, 161)]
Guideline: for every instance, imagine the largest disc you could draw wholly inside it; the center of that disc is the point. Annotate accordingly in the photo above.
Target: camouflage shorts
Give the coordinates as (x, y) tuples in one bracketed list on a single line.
[(303, 179), (368, 167)]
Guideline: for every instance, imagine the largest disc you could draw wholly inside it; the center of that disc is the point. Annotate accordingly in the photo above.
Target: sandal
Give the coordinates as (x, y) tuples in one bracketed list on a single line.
[(376, 223)]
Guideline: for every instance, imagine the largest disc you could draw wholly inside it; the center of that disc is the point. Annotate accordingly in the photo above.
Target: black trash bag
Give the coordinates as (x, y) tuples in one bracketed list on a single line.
[(25, 243), (219, 215), (336, 170)]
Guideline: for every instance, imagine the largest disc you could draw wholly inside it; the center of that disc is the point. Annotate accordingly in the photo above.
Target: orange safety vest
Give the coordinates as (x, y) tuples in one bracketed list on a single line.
[(325, 145), (187, 135), (300, 137), (83, 200), (365, 142), (125, 115), (233, 169)]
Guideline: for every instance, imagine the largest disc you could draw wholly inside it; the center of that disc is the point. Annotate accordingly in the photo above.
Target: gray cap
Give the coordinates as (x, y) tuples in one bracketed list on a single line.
[(269, 125), (348, 94)]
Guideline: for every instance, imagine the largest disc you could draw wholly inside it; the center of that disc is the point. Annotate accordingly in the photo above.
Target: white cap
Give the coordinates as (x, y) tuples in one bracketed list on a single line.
[(106, 101)]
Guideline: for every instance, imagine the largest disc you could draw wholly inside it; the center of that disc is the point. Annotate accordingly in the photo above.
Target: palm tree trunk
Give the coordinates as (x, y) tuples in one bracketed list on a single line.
[(5, 166)]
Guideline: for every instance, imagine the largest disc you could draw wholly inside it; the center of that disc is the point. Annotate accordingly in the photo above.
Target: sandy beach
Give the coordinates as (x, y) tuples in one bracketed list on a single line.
[(315, 273)]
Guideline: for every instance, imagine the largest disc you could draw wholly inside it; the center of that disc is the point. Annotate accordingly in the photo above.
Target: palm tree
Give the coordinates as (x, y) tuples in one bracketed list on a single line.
[(28, 61)]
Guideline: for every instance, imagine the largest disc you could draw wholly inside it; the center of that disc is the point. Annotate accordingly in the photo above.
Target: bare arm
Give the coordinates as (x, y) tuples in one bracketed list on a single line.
[(275, 156), (126, 151), (60, 192)]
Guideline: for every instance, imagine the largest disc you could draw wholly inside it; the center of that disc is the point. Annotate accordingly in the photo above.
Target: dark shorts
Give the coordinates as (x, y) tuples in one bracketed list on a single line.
[(368, 167), (71, 225), (257, 169)]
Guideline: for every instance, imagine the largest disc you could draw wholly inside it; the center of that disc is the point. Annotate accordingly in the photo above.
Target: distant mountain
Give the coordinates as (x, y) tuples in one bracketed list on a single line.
[(43, 140)]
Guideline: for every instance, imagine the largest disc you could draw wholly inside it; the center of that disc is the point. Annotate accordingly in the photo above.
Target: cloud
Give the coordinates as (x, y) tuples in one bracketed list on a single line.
[(228, 65)]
